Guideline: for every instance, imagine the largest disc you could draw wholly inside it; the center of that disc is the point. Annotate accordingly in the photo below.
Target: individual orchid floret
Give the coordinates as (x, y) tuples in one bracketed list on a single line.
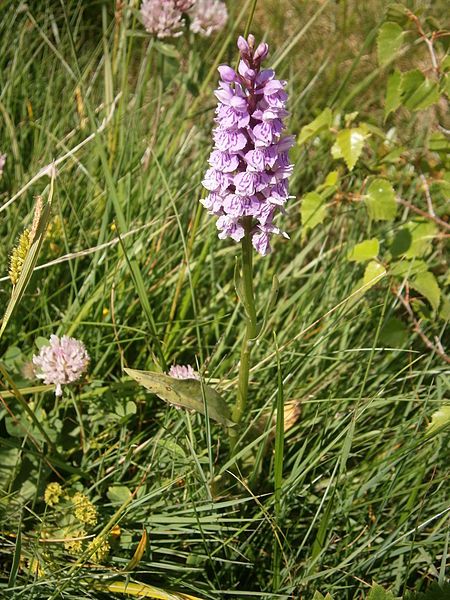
[(208, 16), (63, 361), (162, 18), (249, 164), (183, 372)]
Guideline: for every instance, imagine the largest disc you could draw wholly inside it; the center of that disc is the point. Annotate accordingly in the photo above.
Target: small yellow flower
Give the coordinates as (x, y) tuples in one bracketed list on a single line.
[(52, 493), (18, 256), (85, 511), (100, 550), (105, 312), (73, 544)]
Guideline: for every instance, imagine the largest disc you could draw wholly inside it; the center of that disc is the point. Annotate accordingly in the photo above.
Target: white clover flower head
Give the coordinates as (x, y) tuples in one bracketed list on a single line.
[(183, 372), (63, 361), (208, 16), (162, 18)]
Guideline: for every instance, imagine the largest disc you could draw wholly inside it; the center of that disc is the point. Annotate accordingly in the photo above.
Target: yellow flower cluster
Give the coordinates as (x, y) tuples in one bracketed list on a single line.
[(52, 493), (18, 256), (99, 549), (73, 542), (85, 511)]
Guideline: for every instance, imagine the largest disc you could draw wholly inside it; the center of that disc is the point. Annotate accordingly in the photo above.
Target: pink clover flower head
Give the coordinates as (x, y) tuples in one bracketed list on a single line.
[(184, 5), (249, 165), (208, 16), (63, 361), (183, 372), (162, 17), (2, 163)]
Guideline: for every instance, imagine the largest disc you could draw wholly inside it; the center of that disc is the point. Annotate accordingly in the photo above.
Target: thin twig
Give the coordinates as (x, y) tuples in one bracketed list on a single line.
[(424, 214), (436, 348), (427, 195)]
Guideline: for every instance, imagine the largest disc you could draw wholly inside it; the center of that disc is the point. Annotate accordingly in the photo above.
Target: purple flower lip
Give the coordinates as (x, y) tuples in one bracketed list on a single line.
[(249, 164)]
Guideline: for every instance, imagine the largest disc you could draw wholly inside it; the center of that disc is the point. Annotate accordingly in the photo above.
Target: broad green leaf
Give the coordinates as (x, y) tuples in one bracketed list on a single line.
[(379, 593), (397, 13), (313, 211), (380, 200), (349, 144), (9, 467), (364, 251), (373, 274), (389, 41), (439, 419), (319, 596), (184, 393), (418, 92), (394, 333), (422, 234), (322, 121), (408, 268), (331, 179), (426, 284), (393, 92), (444, 311), (118, 494)]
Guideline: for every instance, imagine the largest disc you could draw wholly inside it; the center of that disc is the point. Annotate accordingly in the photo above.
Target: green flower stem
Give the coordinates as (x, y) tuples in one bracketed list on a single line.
[(250, 323)]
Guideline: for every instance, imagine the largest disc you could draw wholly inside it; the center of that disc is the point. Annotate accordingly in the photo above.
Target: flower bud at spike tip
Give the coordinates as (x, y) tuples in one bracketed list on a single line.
[(249, 164)]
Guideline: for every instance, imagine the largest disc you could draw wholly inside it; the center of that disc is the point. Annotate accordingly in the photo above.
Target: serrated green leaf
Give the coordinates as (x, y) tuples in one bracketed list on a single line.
[(439, 419), (418, 92), (319, 596), (321, 122), (185, 393), (379, 593), (373, 274), (427, 285), (380, 200), (422, 234), (313, 211), (389, 41), (406, 268), (397, 13), (393, 93), (364, 251), (349, 145), (331, 179)]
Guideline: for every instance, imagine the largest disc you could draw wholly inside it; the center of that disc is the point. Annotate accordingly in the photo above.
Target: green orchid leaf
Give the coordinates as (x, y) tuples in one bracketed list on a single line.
[(185, 393)]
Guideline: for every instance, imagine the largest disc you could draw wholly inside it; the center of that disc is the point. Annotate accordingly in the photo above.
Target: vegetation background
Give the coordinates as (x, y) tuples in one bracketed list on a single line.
[(131, 265)]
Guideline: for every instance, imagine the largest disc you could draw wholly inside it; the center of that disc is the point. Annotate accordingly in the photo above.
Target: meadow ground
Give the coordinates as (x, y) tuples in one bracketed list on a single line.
[(352, 486)]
